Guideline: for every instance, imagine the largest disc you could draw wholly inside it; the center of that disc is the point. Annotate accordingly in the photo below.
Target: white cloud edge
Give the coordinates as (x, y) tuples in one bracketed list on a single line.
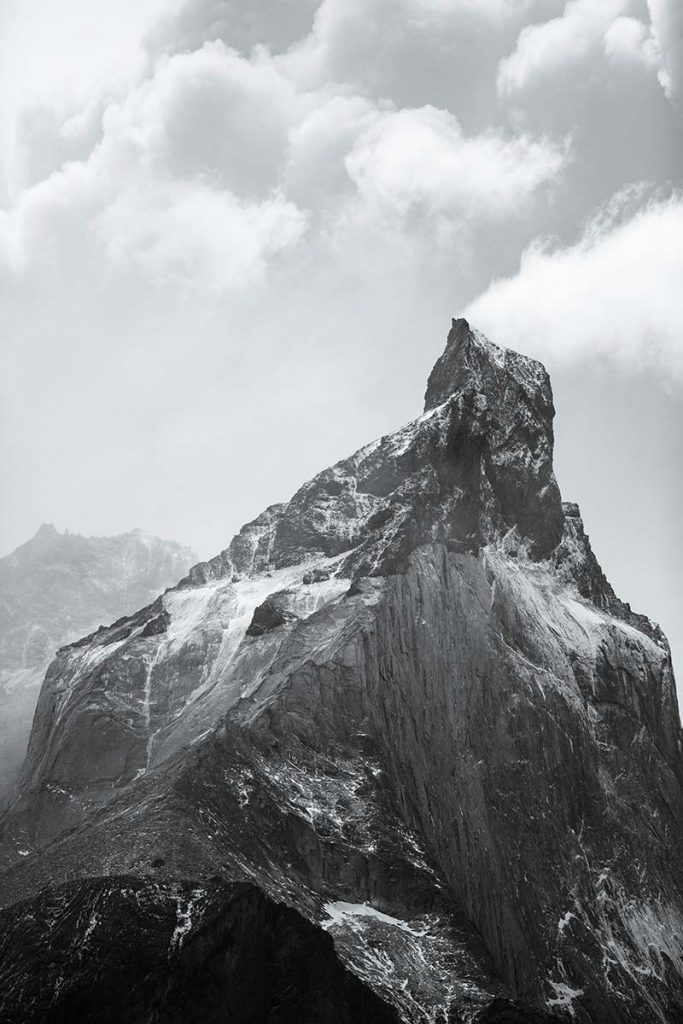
[(615, 293)]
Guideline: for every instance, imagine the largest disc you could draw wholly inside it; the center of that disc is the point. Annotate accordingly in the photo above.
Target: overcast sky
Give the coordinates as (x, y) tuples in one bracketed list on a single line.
[(233, 233)]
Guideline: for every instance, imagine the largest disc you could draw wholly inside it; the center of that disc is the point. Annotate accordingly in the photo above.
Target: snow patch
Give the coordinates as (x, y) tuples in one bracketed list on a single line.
[(183, 926), (583, 614), (564, 996), (564, 921), (187, 608), (92, 925), (340, 911)]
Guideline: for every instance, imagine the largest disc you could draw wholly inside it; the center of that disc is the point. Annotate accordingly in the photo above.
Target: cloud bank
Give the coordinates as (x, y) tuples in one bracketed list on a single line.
[(214, 165), (615, 293)]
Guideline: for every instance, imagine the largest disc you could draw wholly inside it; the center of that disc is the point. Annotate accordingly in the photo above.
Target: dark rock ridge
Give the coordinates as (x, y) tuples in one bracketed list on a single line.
[(188, 953), (408, 707), (55, 588)]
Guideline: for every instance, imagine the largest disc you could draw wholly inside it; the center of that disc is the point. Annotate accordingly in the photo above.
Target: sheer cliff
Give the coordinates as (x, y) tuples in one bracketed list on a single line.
[(53, 589), (402, 723)]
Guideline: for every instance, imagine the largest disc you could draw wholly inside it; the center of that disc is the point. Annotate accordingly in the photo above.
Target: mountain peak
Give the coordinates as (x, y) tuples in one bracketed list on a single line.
[(464, 473), (404, 705), (47, 530), (471, 359), (464, 348)]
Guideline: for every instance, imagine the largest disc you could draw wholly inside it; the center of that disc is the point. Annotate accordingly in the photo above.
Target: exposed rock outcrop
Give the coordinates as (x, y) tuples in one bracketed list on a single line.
[(53, 590), (408, 706)]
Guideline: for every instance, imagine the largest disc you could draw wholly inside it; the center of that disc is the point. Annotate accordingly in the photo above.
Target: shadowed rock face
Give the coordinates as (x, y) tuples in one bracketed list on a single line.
[(275, 611), (55, 588), (408, 706), (249, 959)]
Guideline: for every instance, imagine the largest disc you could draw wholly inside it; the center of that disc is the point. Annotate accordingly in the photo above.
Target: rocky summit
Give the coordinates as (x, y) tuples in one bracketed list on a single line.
[(398, 753)]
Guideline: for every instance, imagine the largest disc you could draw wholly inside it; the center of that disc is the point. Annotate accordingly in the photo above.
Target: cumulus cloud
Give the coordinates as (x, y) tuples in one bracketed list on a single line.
[(223, 159), (593, 72), (416, 52), (413, 160), (209, 114), (214, 164), (574, 50), (318, 144), (616, 293), (188, 232), (44, 140), (553, 47), (239, 24), (182, 184), (667, 22), (631, 40)]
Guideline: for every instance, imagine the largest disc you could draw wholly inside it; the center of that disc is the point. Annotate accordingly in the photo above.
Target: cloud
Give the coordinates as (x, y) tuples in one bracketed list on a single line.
[(216, 163), (578, 51), (628, 39), (182, 184), (241, 25), (45, 139), (616, 293), (188, 232), (63, 56), (419, 160), (554, 47), (592, 72), (667, 23), (415, 52), (315, 172), (209, 114)]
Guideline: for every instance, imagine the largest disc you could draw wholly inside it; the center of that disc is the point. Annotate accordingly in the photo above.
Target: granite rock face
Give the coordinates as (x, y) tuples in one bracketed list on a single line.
[(406, 711), (55, 588)]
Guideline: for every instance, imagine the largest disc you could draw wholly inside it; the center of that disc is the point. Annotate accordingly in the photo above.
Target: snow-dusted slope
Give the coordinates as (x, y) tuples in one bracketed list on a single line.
[(55, 588), (407, 705)]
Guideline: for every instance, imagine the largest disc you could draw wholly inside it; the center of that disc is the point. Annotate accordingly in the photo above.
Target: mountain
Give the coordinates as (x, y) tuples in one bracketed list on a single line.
[(398, 753), (55, 588)]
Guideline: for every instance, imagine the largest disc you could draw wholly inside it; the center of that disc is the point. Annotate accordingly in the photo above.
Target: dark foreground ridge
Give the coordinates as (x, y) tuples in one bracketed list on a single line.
[(398, 753)]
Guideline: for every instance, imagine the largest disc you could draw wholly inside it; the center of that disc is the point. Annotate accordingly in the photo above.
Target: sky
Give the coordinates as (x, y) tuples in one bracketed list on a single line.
[(233, 234)]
